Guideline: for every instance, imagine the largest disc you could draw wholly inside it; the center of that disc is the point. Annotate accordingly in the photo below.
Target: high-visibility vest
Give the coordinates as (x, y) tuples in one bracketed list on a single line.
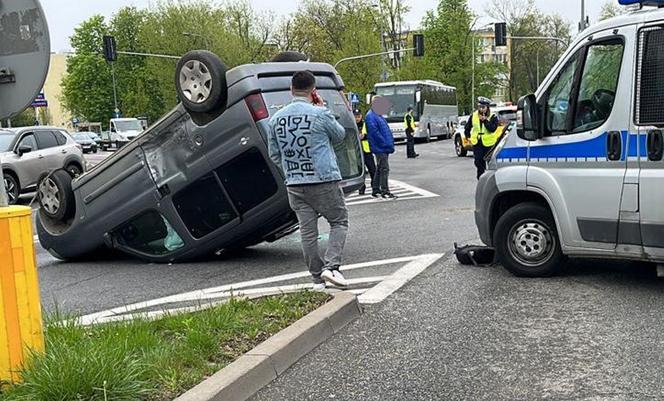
[(365, 142), (480, 131), (412, 121)]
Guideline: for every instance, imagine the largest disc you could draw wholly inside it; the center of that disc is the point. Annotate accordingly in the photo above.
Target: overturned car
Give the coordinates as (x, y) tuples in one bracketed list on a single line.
[(200, 180)]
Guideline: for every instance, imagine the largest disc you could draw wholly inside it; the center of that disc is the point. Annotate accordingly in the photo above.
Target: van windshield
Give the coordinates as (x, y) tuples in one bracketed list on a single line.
[(6, 139), (128, 125)]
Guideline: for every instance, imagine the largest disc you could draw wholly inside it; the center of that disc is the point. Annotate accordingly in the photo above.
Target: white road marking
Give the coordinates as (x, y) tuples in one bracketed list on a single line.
[(208, 297), (398, 279), (402, 190)]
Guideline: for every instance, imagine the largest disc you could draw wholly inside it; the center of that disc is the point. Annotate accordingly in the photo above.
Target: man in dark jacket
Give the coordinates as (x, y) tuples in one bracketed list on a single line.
[(381, 142), (481, 129)]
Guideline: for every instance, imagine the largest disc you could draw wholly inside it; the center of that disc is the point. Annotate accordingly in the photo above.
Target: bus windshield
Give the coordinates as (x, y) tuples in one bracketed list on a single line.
[(401, 98)]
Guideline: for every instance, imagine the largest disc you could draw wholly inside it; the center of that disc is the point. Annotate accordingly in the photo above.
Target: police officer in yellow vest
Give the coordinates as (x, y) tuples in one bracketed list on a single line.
[(482, 129), (409, 125), (369, 161)]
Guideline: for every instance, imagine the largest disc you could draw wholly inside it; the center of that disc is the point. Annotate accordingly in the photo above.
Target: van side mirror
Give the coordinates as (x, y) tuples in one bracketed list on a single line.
[(112, 129), (527, 119), (23, 150), (369, 98)]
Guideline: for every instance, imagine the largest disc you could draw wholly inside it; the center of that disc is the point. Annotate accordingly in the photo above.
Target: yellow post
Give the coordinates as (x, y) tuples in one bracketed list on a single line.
[(20, 305)]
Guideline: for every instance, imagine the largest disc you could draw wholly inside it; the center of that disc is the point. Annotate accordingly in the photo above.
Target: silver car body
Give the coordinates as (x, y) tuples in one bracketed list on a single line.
[(604, 205), (52, 148)]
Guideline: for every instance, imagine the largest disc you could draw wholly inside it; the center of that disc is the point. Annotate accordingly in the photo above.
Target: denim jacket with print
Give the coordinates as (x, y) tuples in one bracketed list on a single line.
[(301, 141)]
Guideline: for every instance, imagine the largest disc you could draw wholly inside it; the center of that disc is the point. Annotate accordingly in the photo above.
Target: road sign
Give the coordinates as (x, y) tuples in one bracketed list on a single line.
[(354, 98), (40, 101), (75, 121)]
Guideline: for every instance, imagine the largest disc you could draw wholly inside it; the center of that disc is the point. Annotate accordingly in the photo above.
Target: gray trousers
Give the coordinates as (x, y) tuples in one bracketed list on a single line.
[(327, 200)]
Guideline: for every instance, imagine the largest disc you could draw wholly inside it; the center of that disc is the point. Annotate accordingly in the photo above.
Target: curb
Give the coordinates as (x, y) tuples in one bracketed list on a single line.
[(258, 367)]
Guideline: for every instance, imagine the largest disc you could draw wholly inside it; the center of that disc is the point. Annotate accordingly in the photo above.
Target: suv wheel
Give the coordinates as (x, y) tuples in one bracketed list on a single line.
[(200, 79), (526, 241), (458, 147), (55, 195), (12, 187)]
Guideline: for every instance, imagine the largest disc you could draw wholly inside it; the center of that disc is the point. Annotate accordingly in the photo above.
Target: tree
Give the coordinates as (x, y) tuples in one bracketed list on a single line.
[(25, 118), (610, 10)]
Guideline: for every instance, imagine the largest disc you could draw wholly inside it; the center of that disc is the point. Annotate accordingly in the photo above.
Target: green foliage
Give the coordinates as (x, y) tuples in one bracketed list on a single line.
[(609, 10), (25, 118), (152, 360)]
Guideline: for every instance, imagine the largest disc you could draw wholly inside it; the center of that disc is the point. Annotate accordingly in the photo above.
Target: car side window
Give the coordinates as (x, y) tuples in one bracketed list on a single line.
[(559, 98), (29, 141), (599, 81), (46, 139), (60, 137)]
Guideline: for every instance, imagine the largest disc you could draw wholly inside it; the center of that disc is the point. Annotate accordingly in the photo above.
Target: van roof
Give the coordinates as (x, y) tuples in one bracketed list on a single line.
[(418, 82), (646, 14)]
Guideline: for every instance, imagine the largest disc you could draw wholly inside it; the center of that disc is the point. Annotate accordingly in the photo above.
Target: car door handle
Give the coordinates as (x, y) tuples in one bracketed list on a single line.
[(655, 145), (614, 145), (41, 156), (63, 151)]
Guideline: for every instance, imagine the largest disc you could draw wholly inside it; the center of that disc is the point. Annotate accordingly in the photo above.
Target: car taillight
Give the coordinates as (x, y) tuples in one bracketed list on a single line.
[(257, 107)]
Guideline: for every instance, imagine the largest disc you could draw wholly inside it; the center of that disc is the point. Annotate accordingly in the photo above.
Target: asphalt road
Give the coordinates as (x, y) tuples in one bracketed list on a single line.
[(453, 332)]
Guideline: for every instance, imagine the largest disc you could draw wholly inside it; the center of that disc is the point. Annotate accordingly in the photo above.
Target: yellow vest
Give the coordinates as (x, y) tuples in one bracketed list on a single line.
[(365, 141), (479, 130), (412, 121)]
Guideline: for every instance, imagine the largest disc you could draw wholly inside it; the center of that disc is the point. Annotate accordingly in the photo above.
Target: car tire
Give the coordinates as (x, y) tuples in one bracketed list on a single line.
[(74, 170), (12, 187), (289, 57), (94, 150), (527, 242), (55, 195), (458, 147), (200, 80)]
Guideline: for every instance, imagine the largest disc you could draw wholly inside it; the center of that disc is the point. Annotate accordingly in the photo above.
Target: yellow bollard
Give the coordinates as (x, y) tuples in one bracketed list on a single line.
[(20, 306)]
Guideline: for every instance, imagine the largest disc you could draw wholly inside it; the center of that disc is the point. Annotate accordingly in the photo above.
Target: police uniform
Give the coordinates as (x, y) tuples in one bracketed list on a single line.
[(368, 157), (409, 125), (483, 135)]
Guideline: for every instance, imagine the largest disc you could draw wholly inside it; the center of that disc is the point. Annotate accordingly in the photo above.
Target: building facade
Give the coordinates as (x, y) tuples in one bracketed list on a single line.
[(490, 53)]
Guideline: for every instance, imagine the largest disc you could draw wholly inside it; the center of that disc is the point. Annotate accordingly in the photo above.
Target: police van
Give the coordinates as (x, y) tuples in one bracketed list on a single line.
[(583, 175)]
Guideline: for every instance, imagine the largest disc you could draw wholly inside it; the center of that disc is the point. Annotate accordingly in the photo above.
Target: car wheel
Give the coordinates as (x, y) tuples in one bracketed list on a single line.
[(74, 170), (526, 241), (458, 147), (289, 57), (200, 79), (11, 187), (94, 150), (55, 195)]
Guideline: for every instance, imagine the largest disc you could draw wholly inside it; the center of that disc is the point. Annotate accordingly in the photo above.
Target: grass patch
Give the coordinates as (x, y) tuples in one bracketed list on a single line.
[(152, 360)]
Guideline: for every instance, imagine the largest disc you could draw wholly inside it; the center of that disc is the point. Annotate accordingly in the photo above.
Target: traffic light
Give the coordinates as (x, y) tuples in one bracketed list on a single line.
[(110, 53), (501, 34), (418, 44)]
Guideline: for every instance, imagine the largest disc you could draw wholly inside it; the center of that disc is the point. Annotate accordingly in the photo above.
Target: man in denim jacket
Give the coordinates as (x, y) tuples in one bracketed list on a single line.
[(300, 142)]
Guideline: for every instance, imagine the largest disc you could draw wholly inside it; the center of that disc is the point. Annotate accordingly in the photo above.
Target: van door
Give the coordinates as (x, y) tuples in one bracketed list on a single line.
[(649, 117), (580, 162)]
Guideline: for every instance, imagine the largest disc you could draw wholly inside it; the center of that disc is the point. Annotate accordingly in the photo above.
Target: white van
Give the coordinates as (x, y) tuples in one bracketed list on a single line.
[(121, 131), (583, 174)]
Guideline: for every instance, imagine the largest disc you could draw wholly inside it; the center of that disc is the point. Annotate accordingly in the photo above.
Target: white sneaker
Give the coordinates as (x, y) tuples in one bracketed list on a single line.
[(334, 277), (319, 287)]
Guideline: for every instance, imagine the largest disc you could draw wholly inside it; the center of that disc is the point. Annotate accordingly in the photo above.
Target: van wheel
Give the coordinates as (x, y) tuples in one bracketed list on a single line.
[(55, 195), (200, 79), (527, 242), (289, 57), (458, 147), (12, 187)]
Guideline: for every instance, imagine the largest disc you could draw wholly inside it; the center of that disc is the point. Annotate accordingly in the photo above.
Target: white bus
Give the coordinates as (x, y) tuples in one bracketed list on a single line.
[(434, 104)]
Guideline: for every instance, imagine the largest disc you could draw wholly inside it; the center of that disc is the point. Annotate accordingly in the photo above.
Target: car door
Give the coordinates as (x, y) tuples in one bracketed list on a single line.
[(580, 162), (29, 165), (53, 154), (649, 118)]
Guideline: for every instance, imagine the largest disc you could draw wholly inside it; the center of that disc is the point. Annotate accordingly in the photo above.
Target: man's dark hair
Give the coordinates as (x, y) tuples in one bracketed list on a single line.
[(303, 81)]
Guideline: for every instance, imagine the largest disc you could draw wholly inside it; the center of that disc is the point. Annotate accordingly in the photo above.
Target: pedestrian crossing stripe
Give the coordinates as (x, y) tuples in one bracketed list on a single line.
[(402, 190)]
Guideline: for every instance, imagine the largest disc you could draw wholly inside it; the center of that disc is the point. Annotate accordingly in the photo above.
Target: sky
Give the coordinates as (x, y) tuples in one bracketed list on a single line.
[(64, 15)]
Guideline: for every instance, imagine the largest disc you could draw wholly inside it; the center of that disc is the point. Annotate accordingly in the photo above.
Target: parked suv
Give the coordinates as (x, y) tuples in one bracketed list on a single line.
[(29, 153), (200, 180)]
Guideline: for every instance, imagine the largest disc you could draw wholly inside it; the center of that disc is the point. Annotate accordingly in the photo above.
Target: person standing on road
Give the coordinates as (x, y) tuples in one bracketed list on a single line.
[(368, 157), (409, 122), (482, 130), (381, 143), (301, 141)]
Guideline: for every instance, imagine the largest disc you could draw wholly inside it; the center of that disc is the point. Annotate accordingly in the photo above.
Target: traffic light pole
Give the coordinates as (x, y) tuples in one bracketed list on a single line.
[(343, 60)]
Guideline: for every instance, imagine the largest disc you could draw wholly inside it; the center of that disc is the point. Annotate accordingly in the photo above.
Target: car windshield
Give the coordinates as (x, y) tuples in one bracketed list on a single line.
[(5, 140), (128, 125), (401, 98), (81, 137)]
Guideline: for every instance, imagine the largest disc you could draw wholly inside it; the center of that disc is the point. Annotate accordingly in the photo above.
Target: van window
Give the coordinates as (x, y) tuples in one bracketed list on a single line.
[(149, 233), (599, 81), (650, 77), (559, 98)]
